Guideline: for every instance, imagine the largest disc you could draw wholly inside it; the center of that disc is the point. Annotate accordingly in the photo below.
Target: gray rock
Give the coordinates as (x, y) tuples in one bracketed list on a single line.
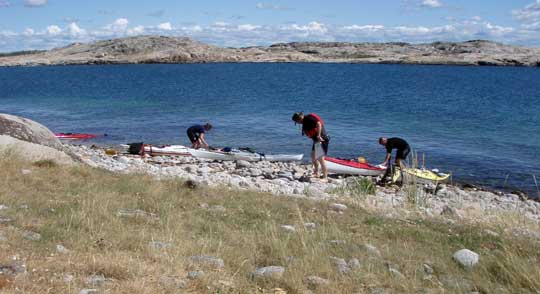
[(372, 250), (207, 261), (242, 164), (310, 226), (191, 168), (450, 212), (466, 258), (32, 236), (159, 245), (268, 272), (338, 207), (491, 233), (315, 282), (428, 270), (337, 242), (172, 283), (5, 220), (88, 291), (194, 275), (29, 131), (12, 269), (288, 228), (137, 213), (97, 280), (68, 278), (341, 264), (354, 263), (61, 249)]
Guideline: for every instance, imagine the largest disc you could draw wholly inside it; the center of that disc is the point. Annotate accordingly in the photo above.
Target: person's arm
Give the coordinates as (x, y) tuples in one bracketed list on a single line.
[(319, 131), (203, 141), (388, 156)]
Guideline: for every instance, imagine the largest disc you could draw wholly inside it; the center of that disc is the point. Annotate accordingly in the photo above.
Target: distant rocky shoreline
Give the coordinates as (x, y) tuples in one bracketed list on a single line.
[(176, 50)]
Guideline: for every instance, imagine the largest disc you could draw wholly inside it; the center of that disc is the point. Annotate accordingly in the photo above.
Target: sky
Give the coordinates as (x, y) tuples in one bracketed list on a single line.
[(45, 24)]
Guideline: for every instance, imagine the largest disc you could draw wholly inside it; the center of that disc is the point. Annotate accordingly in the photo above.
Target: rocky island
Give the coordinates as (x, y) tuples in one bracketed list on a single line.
[(162, 49)]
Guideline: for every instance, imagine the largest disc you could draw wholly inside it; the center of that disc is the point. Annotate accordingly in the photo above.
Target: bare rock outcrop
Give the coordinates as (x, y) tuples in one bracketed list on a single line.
[(161, 49), (30, 140)]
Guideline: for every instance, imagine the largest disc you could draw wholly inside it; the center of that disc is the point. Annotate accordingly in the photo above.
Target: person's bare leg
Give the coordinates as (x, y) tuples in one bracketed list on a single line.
[(323, 168), (315, 164)]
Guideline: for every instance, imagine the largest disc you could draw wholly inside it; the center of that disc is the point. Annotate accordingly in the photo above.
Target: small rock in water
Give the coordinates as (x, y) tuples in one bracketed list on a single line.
[(466, 258), (269, 272)]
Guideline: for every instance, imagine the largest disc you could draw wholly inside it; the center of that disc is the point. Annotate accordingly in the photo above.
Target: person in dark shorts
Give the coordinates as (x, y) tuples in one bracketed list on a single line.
[(313, 127), (196, 133), (403, 149)]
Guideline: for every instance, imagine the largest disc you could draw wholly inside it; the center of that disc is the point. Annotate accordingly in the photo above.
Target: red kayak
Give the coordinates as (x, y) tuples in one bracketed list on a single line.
[(74, 136), (351, 167)]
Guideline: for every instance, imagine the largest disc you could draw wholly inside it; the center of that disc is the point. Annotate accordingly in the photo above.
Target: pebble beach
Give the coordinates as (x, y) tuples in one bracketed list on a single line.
[(292, 179)]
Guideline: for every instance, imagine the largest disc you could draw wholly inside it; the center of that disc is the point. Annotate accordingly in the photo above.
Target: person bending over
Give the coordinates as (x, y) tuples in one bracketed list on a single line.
[(313, 127), (390, 144), (196, 133)]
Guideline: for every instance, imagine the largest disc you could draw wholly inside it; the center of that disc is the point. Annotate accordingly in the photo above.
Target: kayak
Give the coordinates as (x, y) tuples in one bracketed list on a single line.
[(351, 167), (74, 136), (251, 156), (170, 150), (422, 176), (243, 155), (214, 155)]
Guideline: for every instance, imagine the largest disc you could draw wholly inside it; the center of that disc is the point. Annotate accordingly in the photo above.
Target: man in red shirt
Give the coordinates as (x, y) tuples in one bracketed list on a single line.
[(313, 127)]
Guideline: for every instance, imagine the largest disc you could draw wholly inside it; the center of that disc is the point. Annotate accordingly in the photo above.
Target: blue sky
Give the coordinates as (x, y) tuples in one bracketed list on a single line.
[(43, 24)]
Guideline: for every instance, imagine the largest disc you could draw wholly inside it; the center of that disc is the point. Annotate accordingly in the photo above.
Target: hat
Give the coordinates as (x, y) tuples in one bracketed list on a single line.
[(296, 116)]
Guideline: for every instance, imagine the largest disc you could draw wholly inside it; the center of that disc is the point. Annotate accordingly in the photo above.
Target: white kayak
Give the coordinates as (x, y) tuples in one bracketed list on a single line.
[(243, 155), (350, 167), (165, 150)]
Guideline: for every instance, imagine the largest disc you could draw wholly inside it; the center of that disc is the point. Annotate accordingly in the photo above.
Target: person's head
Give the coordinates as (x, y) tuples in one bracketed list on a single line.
[(382, 141), (207, 126), (298, 117)]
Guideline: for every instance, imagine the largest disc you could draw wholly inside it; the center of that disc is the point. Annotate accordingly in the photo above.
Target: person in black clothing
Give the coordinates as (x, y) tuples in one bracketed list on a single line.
[(313, 127), (401, 145), (196, 133)]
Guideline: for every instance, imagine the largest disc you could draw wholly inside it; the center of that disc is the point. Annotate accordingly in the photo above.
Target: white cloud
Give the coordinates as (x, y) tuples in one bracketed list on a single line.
[(166, 26), (312, 27), (118, 26), (529, 16), (270, 6), (53, 30), (74, 30), (248, 27), (28, 32), (35, 3), (432, 3), (227, 34)]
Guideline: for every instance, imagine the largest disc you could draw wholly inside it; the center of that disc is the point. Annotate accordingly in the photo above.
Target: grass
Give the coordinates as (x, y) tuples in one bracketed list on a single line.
[(77, 208)]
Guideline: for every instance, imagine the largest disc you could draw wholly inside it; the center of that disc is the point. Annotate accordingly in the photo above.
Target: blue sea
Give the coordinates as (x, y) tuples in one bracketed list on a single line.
[(480, 123)]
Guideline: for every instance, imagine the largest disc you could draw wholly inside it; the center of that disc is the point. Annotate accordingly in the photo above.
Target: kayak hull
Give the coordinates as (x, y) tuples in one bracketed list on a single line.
[(169, 150), (73, 136), (423, 176), (349, 167), (242, 155)]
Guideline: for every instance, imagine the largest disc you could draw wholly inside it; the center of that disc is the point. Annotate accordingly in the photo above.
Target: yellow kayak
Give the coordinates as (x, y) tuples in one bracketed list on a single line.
[(420, 175)]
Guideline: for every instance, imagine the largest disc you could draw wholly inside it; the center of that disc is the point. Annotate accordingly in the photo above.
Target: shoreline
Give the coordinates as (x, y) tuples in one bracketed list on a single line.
[(290, 179)]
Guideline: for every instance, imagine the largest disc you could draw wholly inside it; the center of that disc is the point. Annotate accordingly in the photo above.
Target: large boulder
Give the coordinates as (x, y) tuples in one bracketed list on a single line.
[(30, 140), (28, 130)]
